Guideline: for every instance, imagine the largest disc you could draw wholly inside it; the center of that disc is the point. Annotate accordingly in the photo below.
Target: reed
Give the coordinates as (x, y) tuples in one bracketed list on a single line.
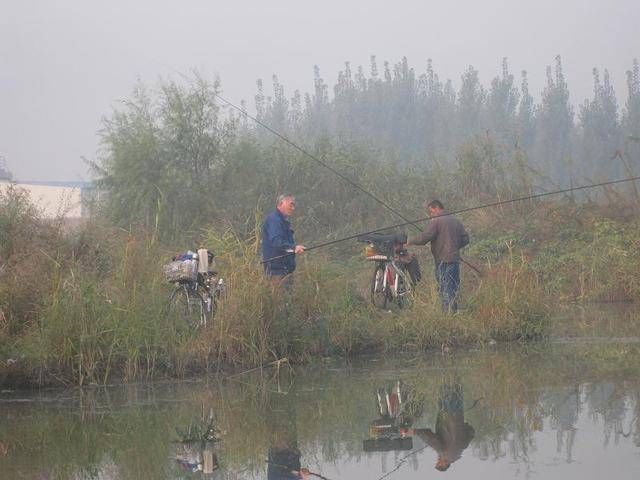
[(89, 305)]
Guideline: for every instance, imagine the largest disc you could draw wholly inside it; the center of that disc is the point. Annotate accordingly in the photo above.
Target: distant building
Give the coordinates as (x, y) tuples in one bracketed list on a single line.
[(5, 174), (56, 199)]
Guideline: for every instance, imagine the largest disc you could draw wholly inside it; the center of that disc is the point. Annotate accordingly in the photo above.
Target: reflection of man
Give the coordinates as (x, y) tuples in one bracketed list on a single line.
[(447, 236), (278, 246), (452, 433), (284, 464), (283, 458)]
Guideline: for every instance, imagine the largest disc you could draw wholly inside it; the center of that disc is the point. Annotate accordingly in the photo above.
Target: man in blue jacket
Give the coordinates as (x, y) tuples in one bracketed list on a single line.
[(279, 249)]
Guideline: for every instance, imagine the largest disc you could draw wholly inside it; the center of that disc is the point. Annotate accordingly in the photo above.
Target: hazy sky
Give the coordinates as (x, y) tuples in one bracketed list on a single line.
[(64, 64)]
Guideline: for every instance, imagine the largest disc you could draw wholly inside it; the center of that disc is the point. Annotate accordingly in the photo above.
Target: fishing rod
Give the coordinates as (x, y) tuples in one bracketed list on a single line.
[(463, 210), (306, 153), (332, 170), (296, 472), (382, 202), (316, 159)]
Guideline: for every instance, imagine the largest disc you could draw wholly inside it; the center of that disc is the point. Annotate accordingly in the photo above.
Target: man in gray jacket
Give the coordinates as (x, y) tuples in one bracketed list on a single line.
[(447, 236)]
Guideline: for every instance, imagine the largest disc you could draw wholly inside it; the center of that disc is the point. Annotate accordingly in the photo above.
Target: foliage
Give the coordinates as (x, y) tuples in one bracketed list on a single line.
[(174, 162), (87, 305)]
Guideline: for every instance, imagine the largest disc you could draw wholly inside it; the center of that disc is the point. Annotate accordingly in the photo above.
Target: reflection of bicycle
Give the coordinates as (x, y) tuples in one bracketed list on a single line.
[(197, 288), (386, 432), (390, 281)]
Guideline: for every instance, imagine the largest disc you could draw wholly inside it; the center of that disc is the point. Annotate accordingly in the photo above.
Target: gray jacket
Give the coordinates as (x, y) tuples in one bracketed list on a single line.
[(446, 235)]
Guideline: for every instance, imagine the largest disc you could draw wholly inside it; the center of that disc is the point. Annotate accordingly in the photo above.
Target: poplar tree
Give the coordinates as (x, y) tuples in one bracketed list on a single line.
[(436, 115), (554, 128), (501, 105), (631, 118), (525, 120), (600, 132), (470, 102)]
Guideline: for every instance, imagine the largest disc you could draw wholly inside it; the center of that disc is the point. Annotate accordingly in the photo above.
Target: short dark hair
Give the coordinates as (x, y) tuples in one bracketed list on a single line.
[(435, 204)]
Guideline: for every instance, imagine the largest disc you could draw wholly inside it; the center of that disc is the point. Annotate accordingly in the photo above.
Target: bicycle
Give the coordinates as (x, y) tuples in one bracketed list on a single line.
[(198, 289), (390, 281)]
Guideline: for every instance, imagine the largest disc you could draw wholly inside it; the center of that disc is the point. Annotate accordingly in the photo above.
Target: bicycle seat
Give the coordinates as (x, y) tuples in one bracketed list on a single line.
[(380, 238)]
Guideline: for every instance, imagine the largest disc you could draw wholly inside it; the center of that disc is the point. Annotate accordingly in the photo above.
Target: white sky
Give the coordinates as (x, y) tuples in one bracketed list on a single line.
[(64, 64)]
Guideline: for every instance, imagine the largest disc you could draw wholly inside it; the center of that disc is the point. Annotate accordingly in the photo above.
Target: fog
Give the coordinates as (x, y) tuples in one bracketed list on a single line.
[(66, 64)]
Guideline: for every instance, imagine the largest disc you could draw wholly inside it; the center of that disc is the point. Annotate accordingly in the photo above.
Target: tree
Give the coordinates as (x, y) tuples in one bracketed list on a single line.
[(525, 120), (631, 116), (554, 127), (470, 102), (600, 133), (501, 104), (160, 158), (131, 170), (436, 115)]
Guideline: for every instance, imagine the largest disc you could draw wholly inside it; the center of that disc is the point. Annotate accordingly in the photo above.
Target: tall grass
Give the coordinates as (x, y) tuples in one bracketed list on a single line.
[(101, 323), (89, 305)]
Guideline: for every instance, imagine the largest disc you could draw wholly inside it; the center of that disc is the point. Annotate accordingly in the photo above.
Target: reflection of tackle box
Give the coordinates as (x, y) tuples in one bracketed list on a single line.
[(387, 444), (181, 271), (383, 430)]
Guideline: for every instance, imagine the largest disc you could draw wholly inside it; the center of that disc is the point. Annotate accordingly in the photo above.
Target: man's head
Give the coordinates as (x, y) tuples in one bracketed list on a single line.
[(442, 464), (434, 208), (286, 204)]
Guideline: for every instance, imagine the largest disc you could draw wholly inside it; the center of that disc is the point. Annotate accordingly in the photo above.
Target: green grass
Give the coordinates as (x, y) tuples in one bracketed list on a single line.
[(88, 306)]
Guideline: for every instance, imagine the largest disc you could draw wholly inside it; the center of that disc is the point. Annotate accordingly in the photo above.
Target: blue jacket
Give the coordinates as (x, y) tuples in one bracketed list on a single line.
[(277, 238)]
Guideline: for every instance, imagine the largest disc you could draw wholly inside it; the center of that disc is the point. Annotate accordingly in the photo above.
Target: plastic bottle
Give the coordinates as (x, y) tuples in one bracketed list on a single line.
[(203, 260)]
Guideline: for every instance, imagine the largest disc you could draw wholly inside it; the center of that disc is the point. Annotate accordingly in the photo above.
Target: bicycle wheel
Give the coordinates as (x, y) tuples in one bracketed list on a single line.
[(187, 307), (379, 293), (210, 304), (404, 297)]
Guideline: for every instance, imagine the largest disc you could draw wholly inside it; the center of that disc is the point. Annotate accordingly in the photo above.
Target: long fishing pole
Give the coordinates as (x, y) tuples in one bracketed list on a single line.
[(296, 472), (382, 202), (464, 210), (316, 159), (306, 153)]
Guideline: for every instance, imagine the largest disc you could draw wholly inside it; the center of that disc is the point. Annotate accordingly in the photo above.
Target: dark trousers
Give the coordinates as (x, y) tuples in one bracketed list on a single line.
[(448, 278)]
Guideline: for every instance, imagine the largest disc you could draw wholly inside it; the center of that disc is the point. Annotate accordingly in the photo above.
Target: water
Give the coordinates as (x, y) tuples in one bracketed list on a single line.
[(564, 409)]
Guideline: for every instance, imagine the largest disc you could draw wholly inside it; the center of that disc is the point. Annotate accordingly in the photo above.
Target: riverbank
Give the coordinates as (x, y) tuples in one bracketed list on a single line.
[(89, 306)]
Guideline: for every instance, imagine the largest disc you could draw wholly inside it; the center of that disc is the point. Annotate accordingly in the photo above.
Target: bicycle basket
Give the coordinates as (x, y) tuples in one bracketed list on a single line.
[(381, 245), (371, 250), (181, 271)]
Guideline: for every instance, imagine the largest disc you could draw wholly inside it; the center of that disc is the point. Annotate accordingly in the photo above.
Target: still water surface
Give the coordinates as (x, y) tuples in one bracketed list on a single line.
[(566, 409)]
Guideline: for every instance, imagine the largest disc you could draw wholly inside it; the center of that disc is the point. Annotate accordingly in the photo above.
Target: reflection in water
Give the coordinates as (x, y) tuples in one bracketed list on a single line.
[(195, 447), (452, 434), (197, 457), (543, 413), (563, 407), (283, 456), (397, 410), (608, 401)]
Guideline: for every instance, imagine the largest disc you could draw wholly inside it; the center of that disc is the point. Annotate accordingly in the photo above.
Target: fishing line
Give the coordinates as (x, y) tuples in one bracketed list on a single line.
[(382, 202), (463, 210), (316, 159), (305, 152)]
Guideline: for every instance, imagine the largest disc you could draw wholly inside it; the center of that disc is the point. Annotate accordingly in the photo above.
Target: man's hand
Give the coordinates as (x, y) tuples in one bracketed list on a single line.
[(406, 432), (299, 249), (304, 473)]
